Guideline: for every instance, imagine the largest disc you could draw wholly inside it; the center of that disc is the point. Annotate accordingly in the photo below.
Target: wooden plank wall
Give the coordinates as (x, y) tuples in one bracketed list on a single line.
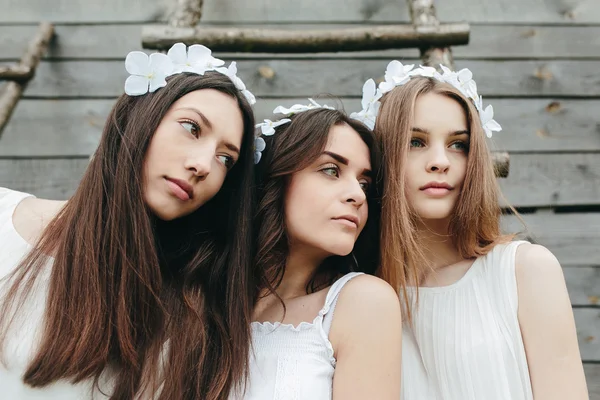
[(537, 62)]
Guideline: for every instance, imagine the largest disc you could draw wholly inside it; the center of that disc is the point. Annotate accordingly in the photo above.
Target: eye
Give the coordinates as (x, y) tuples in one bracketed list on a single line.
[(331, 170), (191, 126), (365, 185), (460, 145), (227, 161), (416, 142)]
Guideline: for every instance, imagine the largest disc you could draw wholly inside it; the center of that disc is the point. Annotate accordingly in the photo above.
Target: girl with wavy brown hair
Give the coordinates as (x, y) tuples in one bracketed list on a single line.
[(140, 285), (487, 317), (317, 229)]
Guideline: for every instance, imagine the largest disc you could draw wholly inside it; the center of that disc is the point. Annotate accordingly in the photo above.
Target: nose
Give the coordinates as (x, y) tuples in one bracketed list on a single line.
[(355, 194), (200, 162), (438, 161)]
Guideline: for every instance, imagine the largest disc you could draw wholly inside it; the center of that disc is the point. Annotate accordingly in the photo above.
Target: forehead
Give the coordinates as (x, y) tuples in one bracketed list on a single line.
[(436, 111), (346, 142), (221, 110)]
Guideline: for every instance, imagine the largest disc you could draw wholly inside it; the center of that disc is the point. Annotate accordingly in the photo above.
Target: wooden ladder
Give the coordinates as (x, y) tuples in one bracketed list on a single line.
[(19, 75), (426, 33)]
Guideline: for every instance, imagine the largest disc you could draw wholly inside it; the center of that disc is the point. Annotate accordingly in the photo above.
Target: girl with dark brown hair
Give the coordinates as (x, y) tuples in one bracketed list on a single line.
[(140, 285), (317, 233), (487, 317)]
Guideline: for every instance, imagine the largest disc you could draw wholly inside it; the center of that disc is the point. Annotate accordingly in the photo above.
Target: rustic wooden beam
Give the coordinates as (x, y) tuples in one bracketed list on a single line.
[(16, 73), (186, 13), (232, 39), (423, 15), (30, 60)]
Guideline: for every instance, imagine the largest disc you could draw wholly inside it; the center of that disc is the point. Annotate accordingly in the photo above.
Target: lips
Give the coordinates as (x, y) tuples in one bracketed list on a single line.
[(349, 220), (437, 185), (436, 189), (183, 190)]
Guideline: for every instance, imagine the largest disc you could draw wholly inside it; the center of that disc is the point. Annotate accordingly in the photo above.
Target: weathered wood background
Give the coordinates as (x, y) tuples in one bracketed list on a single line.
[(536, 61)]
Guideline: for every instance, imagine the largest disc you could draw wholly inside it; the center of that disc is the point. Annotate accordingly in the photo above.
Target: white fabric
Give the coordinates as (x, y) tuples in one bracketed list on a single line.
[(465, 342), (24, 335), (294, 362)]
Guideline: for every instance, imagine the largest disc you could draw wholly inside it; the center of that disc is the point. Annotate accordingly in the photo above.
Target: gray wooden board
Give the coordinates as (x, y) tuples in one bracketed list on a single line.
[(281, 11), (592, 375), (584, 285), (553, 180), (486, 42), (296, 78), (572, 237), (72, 127), (587, 321)]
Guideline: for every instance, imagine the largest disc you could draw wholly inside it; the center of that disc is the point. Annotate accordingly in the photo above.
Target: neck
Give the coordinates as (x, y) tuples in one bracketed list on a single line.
[(437, 243), (300, 266)]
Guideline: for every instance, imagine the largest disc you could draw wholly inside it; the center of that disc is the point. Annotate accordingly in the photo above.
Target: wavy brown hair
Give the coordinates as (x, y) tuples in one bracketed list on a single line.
[(166, 305), (475, 222), (293, 147)]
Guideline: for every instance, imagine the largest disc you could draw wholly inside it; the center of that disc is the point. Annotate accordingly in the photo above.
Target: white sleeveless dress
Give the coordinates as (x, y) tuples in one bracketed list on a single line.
[(465, 342), (23, 337), (294, 362)]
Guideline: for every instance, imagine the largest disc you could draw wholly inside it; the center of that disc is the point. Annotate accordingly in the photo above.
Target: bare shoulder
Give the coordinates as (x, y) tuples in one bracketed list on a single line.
[(368, 290), (536, 264), (367, 299), (32, 215)]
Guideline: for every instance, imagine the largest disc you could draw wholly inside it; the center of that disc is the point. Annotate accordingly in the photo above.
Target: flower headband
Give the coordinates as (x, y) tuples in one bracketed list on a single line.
[(267, 128), (397, 74), (149, 73)]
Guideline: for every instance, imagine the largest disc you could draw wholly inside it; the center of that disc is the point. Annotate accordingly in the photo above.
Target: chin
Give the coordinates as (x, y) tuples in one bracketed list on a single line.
[(434, 213), (339, 248)]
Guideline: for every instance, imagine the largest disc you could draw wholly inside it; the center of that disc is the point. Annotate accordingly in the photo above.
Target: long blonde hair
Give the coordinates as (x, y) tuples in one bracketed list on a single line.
[(475, 222)]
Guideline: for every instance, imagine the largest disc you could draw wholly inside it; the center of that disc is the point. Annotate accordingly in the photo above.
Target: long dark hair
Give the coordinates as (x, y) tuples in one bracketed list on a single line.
[(293, 147), (166, 304)]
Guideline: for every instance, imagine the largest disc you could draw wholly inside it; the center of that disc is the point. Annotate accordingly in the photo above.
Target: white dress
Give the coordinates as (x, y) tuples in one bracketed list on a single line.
[(294, 362), (465, 342), (23, 337)]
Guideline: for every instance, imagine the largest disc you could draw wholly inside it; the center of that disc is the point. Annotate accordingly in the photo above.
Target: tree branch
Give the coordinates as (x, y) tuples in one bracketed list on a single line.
[(230, 39)]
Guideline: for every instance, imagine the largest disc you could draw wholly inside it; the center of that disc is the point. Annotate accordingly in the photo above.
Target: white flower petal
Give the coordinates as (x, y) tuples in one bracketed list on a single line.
[(233, 68), (487, 114), (259, 144), (369, 90), (178, 53), (386, 87), (136, 85), (161, 64), (281, 122), (394, 67), (267, 130), (136, 63), (493, 125), (249, 96), (198, 54), (257, 157), (157, 81), (464, 75)]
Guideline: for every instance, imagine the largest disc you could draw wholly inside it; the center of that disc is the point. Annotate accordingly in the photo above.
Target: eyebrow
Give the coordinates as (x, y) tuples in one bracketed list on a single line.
[(202, 116), (343, 160), (230, 146), (426, 132)]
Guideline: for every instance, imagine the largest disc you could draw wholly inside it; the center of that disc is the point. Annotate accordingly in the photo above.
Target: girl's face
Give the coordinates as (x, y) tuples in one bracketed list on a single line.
[(437, 159), (326, 204), (197, 142)]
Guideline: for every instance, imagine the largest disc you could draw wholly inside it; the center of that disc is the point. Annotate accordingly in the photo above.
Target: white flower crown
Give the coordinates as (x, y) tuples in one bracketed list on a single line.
[(397, 74), (267, 128), (149, 73)]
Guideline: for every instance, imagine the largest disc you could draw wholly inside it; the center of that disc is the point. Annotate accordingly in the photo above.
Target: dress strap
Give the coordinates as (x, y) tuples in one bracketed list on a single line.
[(332, 297)]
